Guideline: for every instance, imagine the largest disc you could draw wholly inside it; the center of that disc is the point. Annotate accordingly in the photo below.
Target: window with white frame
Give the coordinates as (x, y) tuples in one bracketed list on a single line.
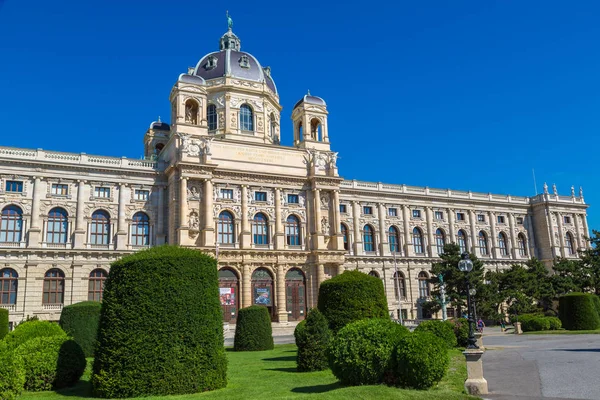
[(392, 212), (141, 194), (439, 215), (293, 199), (59, 189), (480, 218), (260, 196), (14, 186), (102, 192), (460, 216), (367, 210), (226, 194), (416, 213), (501, 219)]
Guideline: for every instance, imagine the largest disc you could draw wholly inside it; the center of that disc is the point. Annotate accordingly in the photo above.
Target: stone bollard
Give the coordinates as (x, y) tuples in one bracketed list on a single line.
[(479, 343), (518, 330), (475, 384)]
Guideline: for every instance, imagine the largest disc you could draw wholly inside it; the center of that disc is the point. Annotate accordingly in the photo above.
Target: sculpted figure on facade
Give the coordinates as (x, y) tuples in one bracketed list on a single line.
[(554, 189), (545, 188), (325, 200), (194, 222), (324, 226)]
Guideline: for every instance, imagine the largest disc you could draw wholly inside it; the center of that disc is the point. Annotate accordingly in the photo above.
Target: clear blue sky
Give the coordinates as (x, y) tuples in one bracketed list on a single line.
[(469, 95)]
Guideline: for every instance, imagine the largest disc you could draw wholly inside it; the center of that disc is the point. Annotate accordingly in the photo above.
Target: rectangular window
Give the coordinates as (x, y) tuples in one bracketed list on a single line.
[(393, 212), (103, 192), (500, 219), (142, 194), (260, 196), (227, 194), (480, 218), (460, 216), (519, 220), (416, 213), (439, 215), (14, 186), (293, 199), (59, 189), (567, 219), (343, 208), (367, 210)]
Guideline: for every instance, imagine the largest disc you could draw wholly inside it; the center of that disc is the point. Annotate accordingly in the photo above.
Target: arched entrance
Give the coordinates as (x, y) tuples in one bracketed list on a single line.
[(295, 294), (229, 294), (262, 290)]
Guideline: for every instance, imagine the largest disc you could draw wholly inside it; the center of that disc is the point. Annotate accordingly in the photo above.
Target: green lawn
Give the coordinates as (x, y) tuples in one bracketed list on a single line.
[(564, 332), (269, 375)]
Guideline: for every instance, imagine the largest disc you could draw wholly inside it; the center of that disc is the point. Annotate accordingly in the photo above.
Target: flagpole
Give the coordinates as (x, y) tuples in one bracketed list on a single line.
[(398, 291)]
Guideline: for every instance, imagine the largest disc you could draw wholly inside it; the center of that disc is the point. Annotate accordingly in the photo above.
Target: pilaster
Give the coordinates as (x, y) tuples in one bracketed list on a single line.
[(495, 251), (279, 234), (281, 303), (208, 232), (358, 248), (431, 244), (246, 286), (122, 224), (246, 236), (160, 217), (384, 249), (183, 212), (474, 241), (513, 238), (561, 234), (80, 231), (34, 236), (408, 250)]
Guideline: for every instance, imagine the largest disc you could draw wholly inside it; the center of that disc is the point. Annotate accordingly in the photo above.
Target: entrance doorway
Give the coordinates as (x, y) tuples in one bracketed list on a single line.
[(295, 293), (229, 294), (262, 290)]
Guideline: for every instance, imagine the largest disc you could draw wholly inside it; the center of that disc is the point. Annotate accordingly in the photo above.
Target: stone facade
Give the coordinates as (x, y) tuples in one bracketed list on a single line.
[(279, 219)]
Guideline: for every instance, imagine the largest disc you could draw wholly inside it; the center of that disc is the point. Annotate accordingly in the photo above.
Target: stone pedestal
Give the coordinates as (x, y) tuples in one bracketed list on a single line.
[(478, 337), (518, 329), (475, 384)]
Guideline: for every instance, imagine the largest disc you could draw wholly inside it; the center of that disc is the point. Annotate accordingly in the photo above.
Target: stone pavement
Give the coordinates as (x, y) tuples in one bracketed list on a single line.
[(282, 334), (549, 367)]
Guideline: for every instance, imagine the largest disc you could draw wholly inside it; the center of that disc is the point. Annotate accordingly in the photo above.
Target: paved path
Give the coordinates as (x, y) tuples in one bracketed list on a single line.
[(545, 367)]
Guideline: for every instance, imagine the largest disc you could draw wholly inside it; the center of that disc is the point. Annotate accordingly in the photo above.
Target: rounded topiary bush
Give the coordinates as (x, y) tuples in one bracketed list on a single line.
[(12, 374), (362, 352), (350, 297), (253, 330), (530, 323), (577, 311), (442, 329), (596, 300), (80, 320), (299, 331), (32, 329), (461, 331), (421, 360), (555, 323), (312, 342), (3, 323), (160, 329), (51, 362)]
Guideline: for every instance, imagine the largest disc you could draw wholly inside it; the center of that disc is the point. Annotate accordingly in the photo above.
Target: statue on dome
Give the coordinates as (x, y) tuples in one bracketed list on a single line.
[(229, 21)]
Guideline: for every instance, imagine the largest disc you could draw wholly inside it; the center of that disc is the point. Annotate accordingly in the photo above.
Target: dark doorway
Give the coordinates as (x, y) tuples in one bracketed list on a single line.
[(295, 293), (262, 290), (229, 294)]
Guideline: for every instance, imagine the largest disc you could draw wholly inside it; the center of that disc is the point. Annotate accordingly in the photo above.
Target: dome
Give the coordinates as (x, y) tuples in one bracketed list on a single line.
[(160, 126), (232, 62), (196, 80), (309, 99)]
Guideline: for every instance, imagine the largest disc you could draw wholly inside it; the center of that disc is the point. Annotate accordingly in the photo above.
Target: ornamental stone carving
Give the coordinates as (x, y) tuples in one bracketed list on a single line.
[(324, 226), (194, 221), (194, 193), (325, 200)]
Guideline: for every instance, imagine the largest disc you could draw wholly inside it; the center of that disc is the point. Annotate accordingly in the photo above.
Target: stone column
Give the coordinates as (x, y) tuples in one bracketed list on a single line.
[(586, 231), (551, 233), (281, 303), (475, 384), (246, 286), (160, 217), (209, 224), (337, 221), (530, 237), (431, 244), (561, 234), (495, 251), (320, 275), (513, 238), (383, 240), (407, 242), (578, 231), (246, 236), (183, 212), (317, 216), (358, 248), (121, 223), (80, 228), (35, 230), (451, 229), (340, 269), (473, 232), (279, 232)]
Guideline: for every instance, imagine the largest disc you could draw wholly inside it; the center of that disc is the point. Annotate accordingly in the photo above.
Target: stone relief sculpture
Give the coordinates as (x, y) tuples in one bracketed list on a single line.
[(324, 226), (194, 222), (194, 193), (325, 200)]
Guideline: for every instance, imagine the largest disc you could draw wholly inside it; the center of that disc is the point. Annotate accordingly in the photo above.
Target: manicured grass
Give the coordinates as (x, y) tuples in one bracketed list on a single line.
[(272, 375), (564, 332)]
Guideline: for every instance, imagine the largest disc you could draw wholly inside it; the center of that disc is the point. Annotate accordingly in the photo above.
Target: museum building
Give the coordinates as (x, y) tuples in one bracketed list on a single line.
[(279, 219)]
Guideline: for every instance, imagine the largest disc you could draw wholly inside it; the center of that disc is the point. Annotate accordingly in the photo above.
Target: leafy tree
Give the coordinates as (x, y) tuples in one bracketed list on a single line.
[(589, 265), (569, 276)]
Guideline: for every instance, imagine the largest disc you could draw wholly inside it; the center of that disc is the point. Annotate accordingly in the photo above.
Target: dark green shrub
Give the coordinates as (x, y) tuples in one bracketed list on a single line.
[(533, 322), (160, 328), (362, 351), (312, 342), (555, 323), (442, 329), (3, 323), (253, 330), (461, 331), (596, 300), (12, 374), (30, 330), (80, 321), (577, 311), (550, 313), (421, 360), (350, 297), (52, 362), (298, 332)]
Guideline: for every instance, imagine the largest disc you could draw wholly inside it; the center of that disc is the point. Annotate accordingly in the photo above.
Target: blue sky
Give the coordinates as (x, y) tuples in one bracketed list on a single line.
[(469, 95)]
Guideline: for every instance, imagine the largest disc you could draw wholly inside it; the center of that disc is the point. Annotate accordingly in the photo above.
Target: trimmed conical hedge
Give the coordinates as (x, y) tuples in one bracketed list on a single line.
[(160, 329), (577, 311), (253, 330)]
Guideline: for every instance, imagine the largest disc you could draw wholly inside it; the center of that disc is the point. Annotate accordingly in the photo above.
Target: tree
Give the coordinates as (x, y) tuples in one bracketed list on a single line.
[(569, 276), (589, 265)]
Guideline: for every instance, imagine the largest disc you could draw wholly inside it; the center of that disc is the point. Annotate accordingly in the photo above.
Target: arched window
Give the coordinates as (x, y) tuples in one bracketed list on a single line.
[(96, 284), (260, 229), (225, 228), (399, 282), (345, 235), (502, 244), (191, 112), (522, 243), (418, 241), (140, 229), (211, 116), (423, 285), (570, 243), (374, 274), (273, 126), (292, 231), (315, 129), (483, 246), (100, 228), (8, 286), (54, 287), (58, 225), (11, 224), (368, 242), (462, 241), (246, 118), (440, 241), (393, 239), (300, 131)]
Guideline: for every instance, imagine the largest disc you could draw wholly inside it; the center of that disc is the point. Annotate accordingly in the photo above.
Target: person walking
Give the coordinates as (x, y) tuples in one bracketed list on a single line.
[(480, 325)]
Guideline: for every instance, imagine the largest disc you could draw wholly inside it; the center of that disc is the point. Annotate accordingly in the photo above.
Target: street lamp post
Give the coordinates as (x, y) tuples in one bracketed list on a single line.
[(466, 265)]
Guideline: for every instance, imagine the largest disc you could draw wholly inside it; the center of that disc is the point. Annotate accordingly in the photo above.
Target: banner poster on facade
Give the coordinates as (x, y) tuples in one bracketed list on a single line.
[(227, 295), (262, 296)]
